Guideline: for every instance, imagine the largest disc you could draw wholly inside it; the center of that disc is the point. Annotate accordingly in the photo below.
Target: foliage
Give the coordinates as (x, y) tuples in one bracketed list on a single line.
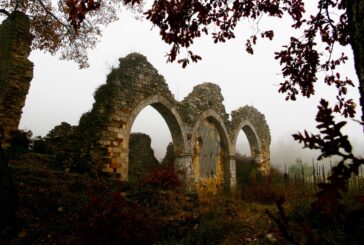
[(50, 201), (114, 220), (181, 22), (70, 147), (299, 225), (160, 185), (300, 169), (59, 207), (59, 136), (20, 142), (331, 142), (40, 145), (252, 186), (54, 34), (8, 195), (247, 170), (334, 217)]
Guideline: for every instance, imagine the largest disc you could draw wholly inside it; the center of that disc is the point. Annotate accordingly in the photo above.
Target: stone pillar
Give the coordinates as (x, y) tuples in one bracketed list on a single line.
[(115, 140), (16, 71), (265, 162), (232, 171), (184, 162)]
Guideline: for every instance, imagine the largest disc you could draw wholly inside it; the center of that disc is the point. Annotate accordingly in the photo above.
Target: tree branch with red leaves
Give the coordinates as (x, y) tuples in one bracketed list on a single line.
[(182, 21), (331, 142)]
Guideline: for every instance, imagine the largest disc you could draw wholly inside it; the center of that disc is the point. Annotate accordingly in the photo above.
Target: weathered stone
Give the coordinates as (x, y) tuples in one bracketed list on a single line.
[(169, 158), (141, 156), (203, 137), (16, 71)]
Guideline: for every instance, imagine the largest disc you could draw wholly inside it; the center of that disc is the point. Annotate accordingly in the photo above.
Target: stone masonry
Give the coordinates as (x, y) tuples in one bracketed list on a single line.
[(16, 71), (203, 136), (141, 156)]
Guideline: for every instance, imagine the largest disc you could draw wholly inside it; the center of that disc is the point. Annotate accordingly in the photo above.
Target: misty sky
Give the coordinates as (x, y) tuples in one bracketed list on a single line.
[(61, 92)]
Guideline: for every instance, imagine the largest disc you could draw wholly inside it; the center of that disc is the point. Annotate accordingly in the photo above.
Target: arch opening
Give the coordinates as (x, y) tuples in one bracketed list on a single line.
[(151, 123), (247, 155), (149, 138), (162, 125), (242, 147), (245, 134), (253, 141)]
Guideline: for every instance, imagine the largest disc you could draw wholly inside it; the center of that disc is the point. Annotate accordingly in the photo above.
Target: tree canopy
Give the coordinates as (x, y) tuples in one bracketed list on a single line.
[(54, 33), (335, 22)]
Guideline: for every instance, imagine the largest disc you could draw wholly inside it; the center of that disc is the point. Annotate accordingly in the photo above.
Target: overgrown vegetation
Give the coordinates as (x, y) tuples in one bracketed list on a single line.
[(294, 193), (62, 207), (57, 205), (69, 146)]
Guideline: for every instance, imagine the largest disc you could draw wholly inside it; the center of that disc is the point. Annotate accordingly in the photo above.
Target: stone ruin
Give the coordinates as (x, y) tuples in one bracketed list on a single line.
[(204, 138), (16, 71), (141, 156)]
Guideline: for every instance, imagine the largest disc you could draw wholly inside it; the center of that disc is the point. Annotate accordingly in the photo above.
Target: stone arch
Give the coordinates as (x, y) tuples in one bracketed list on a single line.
[(136, 84), (256, 129), (222, 176), (170, 115), (123, 120), (253, 139)]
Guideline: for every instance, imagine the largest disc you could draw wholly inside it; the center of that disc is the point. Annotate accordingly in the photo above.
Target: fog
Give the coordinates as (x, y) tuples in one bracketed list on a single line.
[(61, 92)]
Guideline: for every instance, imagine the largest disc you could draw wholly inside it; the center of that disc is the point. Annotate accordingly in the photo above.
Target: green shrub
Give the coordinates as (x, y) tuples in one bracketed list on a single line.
[(20, 142)]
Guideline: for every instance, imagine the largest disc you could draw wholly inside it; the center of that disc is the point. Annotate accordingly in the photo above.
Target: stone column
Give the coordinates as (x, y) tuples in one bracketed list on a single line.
[(232, 171), (184, 162), (16, 71), (265, 162)]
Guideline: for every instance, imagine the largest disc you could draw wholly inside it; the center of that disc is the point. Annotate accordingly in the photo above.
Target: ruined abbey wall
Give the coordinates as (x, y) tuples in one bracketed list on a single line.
[(16, 71), (203, 136)]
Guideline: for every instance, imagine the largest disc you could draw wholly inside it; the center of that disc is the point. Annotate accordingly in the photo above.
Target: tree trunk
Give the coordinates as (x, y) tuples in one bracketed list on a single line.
[(8, 196), (355, 11)]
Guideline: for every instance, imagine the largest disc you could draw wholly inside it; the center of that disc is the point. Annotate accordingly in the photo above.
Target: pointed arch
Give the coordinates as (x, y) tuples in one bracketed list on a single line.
[(253, 139), (256, 129), (169, 113)]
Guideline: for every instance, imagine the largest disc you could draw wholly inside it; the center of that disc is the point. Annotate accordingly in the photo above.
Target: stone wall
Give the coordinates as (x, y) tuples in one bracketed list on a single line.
[(169, 158), (16, 71), (141, 156), (208, 160), (203, 137)]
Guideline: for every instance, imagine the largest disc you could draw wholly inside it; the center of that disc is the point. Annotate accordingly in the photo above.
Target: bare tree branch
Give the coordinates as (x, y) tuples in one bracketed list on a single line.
[(55, 17), (3, 11)]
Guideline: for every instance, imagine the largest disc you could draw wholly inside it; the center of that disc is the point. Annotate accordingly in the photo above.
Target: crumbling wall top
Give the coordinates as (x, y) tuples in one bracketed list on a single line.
[(203, 97), (251, 114)]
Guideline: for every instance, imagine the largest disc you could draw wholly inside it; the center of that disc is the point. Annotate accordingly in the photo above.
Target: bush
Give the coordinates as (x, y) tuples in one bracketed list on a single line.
[(114, 220), (159, 187), (40, 145), (20, 142), (252, 186)]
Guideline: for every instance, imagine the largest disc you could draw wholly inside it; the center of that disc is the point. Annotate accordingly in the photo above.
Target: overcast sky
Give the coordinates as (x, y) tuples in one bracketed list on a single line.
[(61, 92)]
